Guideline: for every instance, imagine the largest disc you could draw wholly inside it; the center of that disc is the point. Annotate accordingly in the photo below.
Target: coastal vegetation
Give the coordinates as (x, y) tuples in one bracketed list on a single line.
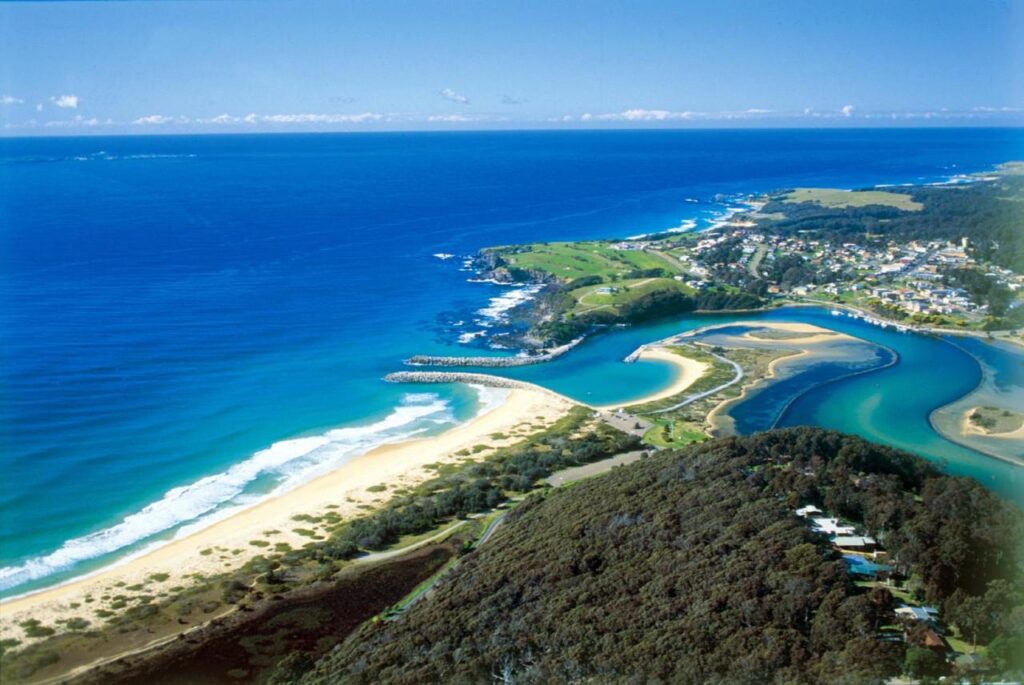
[(690, 566), (993, 420), (699, 413), (601, 283), (459, 490)]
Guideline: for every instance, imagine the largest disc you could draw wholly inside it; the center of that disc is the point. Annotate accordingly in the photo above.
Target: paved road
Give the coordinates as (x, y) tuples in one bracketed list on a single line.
[(755, 261), (570, 475), (712, 391)]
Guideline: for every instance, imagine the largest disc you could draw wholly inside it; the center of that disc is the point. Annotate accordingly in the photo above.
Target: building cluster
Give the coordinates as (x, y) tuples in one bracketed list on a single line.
[(906, 276), (920, 625)]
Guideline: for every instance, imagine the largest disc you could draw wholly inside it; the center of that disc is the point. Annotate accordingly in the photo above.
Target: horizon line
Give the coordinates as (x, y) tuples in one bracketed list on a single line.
[(533, 129)]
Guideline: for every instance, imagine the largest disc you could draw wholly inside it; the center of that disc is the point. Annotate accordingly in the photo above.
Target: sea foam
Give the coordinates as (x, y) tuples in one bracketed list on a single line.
[(287, 463)]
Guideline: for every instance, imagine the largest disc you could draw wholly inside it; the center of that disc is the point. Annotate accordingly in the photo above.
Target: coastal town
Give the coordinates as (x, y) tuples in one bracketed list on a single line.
[(908, 280)]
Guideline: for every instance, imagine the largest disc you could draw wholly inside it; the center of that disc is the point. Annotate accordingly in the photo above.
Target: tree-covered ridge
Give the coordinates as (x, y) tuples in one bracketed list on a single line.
[(691, 567)]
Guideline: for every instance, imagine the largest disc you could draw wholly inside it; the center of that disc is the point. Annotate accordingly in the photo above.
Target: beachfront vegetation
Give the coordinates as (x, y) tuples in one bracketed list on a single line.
[(995, 420), (690, 567), (458, 491)]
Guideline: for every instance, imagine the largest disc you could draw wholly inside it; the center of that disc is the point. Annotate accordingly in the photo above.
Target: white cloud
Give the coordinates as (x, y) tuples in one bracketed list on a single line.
[(511, 100), (449, 94), (992, 110), (159, 120), (39, 107), (79, 120), (250, 118), (320, 118), (847, 110), (450, 118), (65, 101), (220, 119), (10, 100), (644, 115)]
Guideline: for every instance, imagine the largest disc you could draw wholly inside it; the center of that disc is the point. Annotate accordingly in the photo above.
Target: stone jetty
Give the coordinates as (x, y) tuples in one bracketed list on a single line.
[(457, 377), (494, 362)]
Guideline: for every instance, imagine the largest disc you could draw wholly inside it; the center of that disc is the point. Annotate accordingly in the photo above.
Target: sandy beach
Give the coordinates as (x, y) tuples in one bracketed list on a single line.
[(345, 491), (688, 372), (968, 427)]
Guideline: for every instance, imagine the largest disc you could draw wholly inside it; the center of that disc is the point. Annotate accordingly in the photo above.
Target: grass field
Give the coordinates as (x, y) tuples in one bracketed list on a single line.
[(567, 261), (837, 199), (613, 296)]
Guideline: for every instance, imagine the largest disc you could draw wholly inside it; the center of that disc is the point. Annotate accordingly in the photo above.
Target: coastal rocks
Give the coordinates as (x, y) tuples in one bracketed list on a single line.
[(456, 377), (494, 362)]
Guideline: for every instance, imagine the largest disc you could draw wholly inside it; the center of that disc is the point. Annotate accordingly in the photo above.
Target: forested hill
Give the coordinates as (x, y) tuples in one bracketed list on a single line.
[(690, 567)]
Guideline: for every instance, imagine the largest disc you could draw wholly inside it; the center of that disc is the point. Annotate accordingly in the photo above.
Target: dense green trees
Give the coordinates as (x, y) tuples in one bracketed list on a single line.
[(690, 567), (478, 487)]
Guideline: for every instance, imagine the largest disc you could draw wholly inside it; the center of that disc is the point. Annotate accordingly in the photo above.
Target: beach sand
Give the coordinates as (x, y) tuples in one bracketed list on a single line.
[(968, 427), (688, 372), (343, 491), (796, 333)]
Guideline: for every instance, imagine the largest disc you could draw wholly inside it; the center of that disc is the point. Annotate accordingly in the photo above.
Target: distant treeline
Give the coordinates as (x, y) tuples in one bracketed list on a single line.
[(690, 567)]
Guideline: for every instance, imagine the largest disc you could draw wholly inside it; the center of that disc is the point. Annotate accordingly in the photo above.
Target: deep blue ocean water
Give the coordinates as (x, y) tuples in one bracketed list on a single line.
[(187, 322)]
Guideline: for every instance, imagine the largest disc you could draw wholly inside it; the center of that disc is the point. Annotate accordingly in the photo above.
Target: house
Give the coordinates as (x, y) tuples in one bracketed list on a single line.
[(831, 526), (809, 510), (931, 640), (917, 613), (856, 542)]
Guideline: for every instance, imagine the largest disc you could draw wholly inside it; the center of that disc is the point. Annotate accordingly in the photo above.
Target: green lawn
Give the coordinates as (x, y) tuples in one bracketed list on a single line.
[(837, 199), (667, 433), (612, 296), (567, 261)]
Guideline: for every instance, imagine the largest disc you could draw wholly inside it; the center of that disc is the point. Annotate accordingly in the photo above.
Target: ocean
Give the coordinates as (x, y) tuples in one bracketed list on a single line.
[(189, 324)]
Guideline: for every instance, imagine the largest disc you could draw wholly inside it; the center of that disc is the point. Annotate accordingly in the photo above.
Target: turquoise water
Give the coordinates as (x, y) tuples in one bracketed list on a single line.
[(189, 323), (890, 405)]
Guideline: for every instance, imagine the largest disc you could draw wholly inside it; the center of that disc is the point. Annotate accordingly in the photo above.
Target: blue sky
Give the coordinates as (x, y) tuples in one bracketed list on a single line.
[(179, 66)]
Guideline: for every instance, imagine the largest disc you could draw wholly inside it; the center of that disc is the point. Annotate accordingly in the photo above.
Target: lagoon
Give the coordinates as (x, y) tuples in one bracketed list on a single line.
[(890, 405)]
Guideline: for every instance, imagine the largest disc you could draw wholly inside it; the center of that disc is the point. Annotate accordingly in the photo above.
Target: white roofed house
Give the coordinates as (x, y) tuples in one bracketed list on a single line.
[(831, 526), (857, 543)]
